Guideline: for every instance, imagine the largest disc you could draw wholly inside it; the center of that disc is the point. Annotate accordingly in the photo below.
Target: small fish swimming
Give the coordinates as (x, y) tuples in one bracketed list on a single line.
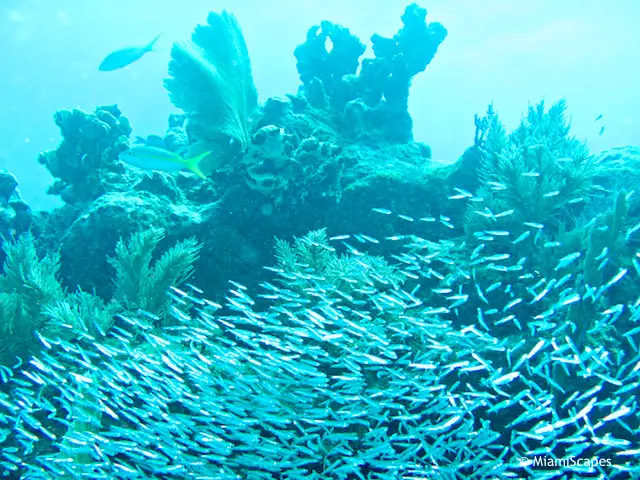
[(153, 158), (125, 56), (152, 141)]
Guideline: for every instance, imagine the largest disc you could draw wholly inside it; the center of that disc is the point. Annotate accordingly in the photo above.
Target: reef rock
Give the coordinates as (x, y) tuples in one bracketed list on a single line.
[(87, 154), (15, 214)]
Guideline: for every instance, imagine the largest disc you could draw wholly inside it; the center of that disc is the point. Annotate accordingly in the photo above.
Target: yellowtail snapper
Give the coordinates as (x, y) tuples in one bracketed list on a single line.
[(154, 158)]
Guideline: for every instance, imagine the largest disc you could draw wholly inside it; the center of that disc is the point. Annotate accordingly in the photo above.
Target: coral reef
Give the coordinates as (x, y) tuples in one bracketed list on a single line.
[(15, 214), (140, 285), (377, 97), (425, 320), (86, 158), (305, 379), (28, 285), (314, 252), (620, 171), (321, 71), (539, 167), (35, 305)]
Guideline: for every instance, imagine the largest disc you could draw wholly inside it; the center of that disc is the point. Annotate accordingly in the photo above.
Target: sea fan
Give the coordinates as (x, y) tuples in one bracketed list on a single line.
[(211, 82)]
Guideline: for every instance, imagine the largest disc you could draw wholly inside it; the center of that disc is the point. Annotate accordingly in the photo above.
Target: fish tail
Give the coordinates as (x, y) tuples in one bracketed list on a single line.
[(149, 48), (193, 164)]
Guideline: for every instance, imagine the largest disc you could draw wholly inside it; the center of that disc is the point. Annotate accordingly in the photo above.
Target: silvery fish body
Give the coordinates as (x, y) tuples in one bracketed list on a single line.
[(153, 158), (125, 56)]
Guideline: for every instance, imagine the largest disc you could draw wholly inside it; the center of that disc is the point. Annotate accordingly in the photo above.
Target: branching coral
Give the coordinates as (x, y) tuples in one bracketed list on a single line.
[(80, 312), (321, 70), (32, 298), (211, 81), (606, 251), (399, 58)]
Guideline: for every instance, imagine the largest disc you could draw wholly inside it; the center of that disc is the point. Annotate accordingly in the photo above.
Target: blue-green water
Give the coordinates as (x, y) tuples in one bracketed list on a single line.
[(305, 242)]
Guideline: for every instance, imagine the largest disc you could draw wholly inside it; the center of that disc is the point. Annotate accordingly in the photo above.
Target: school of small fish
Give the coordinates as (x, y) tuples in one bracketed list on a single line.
[(383, 380)]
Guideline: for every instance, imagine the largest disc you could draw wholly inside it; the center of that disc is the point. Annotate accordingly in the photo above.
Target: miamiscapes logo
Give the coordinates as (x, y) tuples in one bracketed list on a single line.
[(565, 462)]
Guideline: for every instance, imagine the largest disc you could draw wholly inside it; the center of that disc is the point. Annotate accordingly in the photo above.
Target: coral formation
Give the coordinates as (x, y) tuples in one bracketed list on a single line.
[(28, 285), (211, 81), (426, 320), (321, 71), (539, 167), (140, 285), (15, 214), (313, 252), (86, 158), (35, 305), (377, 97)]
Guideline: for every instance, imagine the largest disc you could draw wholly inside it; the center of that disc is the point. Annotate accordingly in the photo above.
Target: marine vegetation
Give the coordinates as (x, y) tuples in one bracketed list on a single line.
[(211, 81), (330, 302), (34, 302)]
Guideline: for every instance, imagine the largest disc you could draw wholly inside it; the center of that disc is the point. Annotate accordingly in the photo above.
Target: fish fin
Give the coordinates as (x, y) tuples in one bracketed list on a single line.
[(149, 48), (193, 164)]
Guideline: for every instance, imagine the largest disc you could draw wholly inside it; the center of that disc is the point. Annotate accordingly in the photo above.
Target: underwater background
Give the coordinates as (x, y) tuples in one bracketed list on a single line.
[(292, 240)]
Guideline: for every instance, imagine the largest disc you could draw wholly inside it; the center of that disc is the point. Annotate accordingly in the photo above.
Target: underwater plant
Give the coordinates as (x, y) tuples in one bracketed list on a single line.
[(312, 259), (138, 283), (34, 303), (28, 285), (539, 169), (211, 81)]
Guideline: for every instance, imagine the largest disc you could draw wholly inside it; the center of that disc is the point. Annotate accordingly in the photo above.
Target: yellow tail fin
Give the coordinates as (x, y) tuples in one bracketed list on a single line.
[(193, 164)]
